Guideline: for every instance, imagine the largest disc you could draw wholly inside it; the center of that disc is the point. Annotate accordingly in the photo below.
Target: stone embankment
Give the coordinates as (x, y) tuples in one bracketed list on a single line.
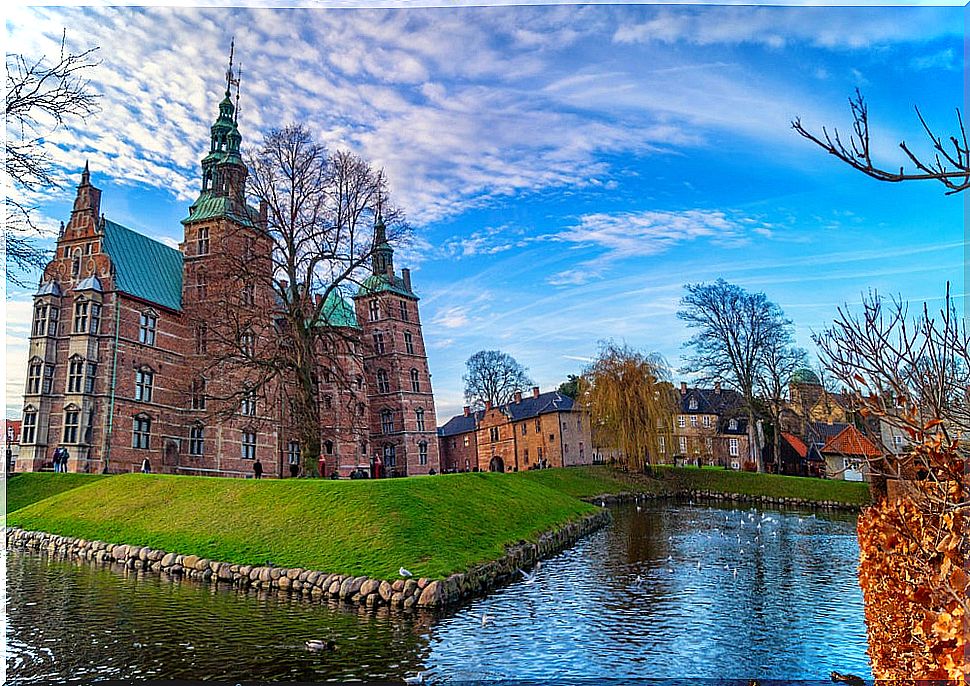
[(359, 590), (694, 494)]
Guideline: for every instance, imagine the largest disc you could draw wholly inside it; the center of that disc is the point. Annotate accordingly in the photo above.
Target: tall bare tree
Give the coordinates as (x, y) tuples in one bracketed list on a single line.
[(40, 98), (949, 164), (631, 404), (734, 329), (280, 327), (492, 376), (780, 359)]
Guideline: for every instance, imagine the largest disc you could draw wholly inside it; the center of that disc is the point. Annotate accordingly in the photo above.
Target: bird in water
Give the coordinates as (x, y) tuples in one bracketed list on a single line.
[(414, 680), (638, 580), (317, 645), (529, 577), (850, 679), (486, 618), (403, 572)]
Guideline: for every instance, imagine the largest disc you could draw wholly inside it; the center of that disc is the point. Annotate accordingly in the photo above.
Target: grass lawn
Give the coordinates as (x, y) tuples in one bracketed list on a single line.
[(24, 489), (432, 525)]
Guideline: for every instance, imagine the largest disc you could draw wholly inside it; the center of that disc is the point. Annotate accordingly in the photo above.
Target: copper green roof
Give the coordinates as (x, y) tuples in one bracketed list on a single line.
[(210, 206), (337, 312), (805, 376), (143, 267), (378, 283)]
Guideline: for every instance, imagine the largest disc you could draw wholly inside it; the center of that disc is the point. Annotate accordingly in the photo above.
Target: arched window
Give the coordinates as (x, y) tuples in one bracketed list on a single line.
[(382, 385), (415, 382), (419, 418), (387, 422)]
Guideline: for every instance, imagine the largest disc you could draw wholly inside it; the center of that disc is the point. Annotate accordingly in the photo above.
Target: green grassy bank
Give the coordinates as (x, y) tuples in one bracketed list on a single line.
[(30, 487), (434, 526)]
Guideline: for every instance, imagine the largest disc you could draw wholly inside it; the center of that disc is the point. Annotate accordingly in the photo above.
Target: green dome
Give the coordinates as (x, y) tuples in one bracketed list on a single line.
[(805, 376)]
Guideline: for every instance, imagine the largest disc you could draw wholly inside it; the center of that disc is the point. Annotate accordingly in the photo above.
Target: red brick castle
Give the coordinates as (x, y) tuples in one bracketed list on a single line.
[(123, 325)]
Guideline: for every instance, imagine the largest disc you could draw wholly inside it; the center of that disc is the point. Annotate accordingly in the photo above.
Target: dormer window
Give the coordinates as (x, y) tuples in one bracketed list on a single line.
[(203, 242), (147, 326), (692, 404), (733, 425)]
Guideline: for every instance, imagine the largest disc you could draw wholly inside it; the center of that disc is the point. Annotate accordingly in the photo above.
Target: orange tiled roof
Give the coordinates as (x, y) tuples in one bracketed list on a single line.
[(850, 441), (796, 443)]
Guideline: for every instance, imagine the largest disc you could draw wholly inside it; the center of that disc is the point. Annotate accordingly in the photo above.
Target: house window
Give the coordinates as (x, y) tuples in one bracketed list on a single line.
[(201, 285), (404, 310), (293, 452), (382, 385), (387, 422), (28, 431), (48, 383), (33, 377), (146, 328), (693, 420), (662, 445), (248, 406), (525, 429), (374, 310), (733, 425), (681, 421), (422, 452), (538, 426), (707, 421), (363, 447), (203, 245), (198, 394), (419, 419), (733, 447), (692, 405), (75, 375), (466, 441), (898, 441), (328, 447), (141, 432), (390, 455), (379, 343), (201, 338), (91, 376), (197, 440), (683, 445), (72, 420), (408, 342), (248, 446), (81, 316), (415, 383), (144, 383), (247, 343), (493, 434)]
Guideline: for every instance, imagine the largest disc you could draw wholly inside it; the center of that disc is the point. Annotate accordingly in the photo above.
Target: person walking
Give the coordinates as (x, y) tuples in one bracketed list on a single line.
[(60, 462), (257, 469), (146, 466)]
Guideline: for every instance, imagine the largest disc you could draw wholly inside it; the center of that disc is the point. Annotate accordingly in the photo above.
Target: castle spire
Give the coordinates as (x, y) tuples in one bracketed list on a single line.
[(229, 79), (86, 175)]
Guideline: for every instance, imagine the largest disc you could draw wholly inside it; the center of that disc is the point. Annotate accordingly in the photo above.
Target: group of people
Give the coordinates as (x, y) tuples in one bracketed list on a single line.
[(59, 459)]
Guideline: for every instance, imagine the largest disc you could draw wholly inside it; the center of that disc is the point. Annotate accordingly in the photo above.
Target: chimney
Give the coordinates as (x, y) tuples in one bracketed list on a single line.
[(406, 275), (717, 387), (518, 397), (488, 404), (535, 391), (468, 411), (683, 388)]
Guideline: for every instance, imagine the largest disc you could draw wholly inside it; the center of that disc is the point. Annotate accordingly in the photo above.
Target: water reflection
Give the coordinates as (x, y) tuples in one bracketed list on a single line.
[(677, 592)]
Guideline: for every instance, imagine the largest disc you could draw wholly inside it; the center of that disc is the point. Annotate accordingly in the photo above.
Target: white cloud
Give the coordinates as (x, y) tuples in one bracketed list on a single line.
[(452, 317)]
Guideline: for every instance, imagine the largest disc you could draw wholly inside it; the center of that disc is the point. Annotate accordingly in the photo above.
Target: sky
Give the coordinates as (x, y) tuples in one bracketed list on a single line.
[(566, 168)]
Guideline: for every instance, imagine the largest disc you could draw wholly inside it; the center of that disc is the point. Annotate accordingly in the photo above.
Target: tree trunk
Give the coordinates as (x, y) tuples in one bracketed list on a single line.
[(754, 451)]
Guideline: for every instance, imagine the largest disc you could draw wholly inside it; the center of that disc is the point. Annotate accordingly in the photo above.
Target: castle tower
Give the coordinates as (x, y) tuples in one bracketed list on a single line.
[(403, 426)]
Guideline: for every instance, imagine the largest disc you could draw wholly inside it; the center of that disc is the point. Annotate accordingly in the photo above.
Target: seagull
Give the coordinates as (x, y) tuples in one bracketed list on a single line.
[(638, 580), (735, 572), (670, 558), (602, 504), (403, 572), (414, 680), (698, 565), (529, 577), (486, 619), (670, 569), (318, 645)]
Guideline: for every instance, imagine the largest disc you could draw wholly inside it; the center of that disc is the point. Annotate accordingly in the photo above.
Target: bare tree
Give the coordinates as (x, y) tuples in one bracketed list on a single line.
[(492, 376), (40, 98), (734, 330), (780, 359), (631, 404), (282, 324), (950, 163)]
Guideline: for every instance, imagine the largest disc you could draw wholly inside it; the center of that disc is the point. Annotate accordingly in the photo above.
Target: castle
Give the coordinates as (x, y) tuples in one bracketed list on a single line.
[(120, 361)]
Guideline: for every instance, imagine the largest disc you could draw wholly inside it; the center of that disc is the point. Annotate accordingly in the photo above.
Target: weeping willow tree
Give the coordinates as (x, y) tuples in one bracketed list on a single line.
[(631, 402)]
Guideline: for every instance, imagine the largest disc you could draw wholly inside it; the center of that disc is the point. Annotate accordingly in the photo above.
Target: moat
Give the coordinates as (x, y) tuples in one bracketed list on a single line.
[(668, 592)]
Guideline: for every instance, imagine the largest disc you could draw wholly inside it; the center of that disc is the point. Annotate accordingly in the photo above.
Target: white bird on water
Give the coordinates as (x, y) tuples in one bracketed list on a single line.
[(403, 572), (416, 679), (529, 577), (638, 580), (486, 618)]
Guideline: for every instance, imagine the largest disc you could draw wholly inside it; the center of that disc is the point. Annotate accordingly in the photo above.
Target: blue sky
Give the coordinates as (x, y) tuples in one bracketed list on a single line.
[(567, 169)]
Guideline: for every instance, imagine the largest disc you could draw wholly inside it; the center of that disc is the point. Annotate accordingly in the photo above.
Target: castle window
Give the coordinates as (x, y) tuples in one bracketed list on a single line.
[(404, 310), (144, 384), (248, 446), (147, 325), (72, 420), (419, 418), (247, 343), (248, 294), (293, 452), (75, 374), (379, 343), (203, 244), (387, 422), (328, 447), (33, 377), (382, 385), (374, 310), (201, 285), (40, 319), (198, 394), (48, 384), (201, 338), (408, 342), (81, 316), (422, 453), (415, 382), (76, 264), (28, 430), (248, 406), (95, 317), (390, 456), (197, 440)]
